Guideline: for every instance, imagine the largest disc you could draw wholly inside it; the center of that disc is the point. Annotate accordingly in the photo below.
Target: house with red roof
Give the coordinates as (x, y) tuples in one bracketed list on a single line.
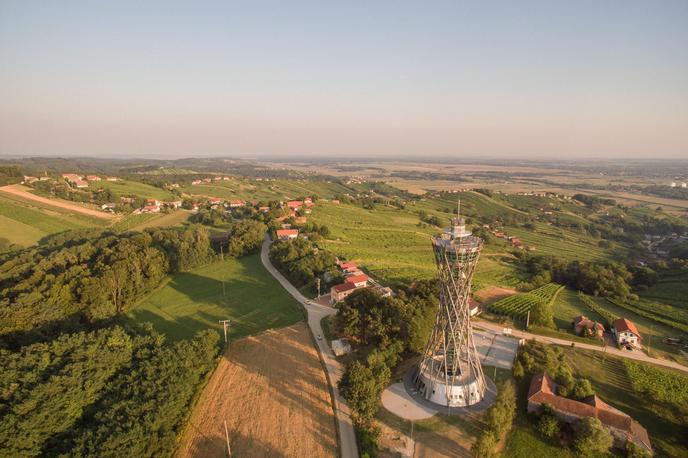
[(294, 204), (341, 292), (585, 326), (236, 203), (626, 333), (92, 177), (287, 234), (359, 280), (348, 265), (215, 200), (151, 209), (622, 427)]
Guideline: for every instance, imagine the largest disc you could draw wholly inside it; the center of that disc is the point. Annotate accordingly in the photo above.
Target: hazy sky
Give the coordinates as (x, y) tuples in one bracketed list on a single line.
[(544, 78)]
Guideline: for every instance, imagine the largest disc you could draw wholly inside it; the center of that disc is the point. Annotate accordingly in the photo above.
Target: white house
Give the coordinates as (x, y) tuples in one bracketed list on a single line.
[(626, 333)]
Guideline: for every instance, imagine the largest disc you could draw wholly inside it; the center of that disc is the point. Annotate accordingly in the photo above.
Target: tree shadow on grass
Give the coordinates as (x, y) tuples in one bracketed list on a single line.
[(246, 302)]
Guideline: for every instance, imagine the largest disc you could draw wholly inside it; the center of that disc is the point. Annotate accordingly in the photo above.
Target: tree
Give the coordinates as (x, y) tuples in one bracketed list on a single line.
[(359, 387), (592, 437), (548, 423), (582, 389)]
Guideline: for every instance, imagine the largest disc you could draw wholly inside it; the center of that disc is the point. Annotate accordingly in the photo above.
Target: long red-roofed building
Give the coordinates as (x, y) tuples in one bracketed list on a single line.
[(622, 427)]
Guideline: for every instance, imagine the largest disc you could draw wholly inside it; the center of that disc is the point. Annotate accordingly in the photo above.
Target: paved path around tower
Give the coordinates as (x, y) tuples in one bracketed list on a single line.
[(637, 355), (316, 312), (398, 401)]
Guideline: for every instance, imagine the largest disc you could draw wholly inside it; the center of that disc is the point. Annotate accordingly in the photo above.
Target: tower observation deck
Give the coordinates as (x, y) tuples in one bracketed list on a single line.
[(450, 373)]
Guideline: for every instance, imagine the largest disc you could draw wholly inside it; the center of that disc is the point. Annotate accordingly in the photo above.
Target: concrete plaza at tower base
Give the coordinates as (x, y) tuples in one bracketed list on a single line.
[(495, 349)]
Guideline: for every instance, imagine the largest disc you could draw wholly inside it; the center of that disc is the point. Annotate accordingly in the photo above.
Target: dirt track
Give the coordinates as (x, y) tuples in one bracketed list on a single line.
[(494, 293), (21, 191), (273, 393)]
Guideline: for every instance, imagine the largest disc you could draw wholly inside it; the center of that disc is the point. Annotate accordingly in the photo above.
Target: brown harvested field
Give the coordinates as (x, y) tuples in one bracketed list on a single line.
[(493, 293), (272, 391)]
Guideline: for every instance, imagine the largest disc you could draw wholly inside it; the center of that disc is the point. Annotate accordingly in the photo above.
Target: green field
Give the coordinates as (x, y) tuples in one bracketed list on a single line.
[(268, 190), (569, 305), (392, 245), (388, 242), (194, 301), (671, 289), (25, 222), (128, 187), (518, 305)]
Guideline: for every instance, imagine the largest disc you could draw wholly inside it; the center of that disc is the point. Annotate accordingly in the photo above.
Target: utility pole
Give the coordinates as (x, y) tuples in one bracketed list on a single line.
[(225, 325), (229, 450), (527, 320)]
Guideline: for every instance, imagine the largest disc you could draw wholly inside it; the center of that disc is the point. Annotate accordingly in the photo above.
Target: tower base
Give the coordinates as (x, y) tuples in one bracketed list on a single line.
[(411, 379), (462, 393)]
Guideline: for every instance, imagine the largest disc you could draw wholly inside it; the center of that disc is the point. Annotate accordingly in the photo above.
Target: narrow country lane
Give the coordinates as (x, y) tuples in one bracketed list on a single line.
[(637, 355), (316, 312)]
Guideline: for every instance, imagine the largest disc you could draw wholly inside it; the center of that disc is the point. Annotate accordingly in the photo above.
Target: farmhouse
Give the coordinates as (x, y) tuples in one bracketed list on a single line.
[(237, 203), (294, 204), (175, 204), (341, 292), (80, 183), (92, 177), (622, 427), (153, 202), (358, 280), (151, 209), (215, 201), (584, 326), (626, 333), (348, 266), (287, 234)]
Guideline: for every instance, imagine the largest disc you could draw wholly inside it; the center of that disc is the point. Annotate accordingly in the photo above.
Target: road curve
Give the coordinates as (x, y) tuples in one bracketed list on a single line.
[(637, 355), (316, 312)]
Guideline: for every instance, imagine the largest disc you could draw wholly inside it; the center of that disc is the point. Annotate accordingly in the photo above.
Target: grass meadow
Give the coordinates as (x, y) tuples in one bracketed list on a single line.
[(268, 190), (128, 187), (193, 301)]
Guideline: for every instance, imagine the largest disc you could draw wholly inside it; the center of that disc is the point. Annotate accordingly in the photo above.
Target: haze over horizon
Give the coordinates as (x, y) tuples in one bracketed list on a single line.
[(461, 79)]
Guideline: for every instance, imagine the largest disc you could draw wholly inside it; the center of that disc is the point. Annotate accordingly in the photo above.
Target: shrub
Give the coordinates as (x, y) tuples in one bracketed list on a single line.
[(592, 437), (548, 423), (582, 389), (485, 445)]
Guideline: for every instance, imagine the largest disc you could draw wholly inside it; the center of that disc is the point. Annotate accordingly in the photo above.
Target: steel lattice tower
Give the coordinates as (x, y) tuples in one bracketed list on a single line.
[(450, 373)]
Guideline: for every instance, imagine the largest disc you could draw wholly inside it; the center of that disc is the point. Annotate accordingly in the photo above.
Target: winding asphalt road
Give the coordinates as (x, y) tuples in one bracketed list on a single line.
[(316, 312), (636, 354)]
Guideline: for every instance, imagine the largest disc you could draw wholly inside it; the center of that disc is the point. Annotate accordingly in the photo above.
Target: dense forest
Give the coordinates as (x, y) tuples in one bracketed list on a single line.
[(77, 378)]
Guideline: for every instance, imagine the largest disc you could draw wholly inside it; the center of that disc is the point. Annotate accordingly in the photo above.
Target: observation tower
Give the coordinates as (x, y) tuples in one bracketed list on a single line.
[(450, 373)]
